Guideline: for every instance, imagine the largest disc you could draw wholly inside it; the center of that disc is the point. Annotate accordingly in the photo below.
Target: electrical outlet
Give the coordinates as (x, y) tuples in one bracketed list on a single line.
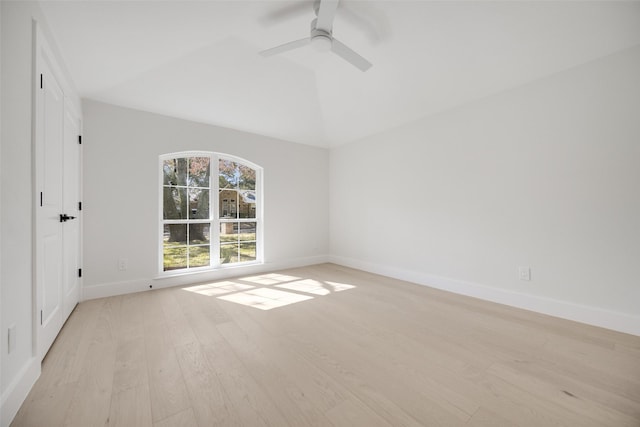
[(525, 273), (122, 264), (11, 338)]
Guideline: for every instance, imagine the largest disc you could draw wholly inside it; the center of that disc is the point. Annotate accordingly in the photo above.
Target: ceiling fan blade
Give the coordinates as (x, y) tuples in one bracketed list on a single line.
[(326, 14), (350, 56), (286, 47), (371, 22), (292, 10)]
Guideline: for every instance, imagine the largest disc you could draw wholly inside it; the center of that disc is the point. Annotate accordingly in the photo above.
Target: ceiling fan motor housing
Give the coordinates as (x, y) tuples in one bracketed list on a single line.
[(320, 39)]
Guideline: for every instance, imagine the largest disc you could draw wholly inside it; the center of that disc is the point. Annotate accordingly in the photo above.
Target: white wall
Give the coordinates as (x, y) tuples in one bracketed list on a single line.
[(16, 186), (120, 203), (20, 368), (2, 349), (546, 175)]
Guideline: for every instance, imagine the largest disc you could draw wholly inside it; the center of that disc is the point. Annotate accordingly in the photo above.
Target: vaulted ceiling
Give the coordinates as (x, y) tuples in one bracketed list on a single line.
[(199, 60)]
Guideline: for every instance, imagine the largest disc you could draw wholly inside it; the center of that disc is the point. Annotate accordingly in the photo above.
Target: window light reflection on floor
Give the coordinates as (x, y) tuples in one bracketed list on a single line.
[(218, 288), (264, 298), (261, 292), (315, 287)]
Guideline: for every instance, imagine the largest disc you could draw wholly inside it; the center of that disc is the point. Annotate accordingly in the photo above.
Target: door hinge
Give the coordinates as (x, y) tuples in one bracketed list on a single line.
[(79, 139), (41, 317), (41, 198), (41, 81), (79, 272), (79, 206)]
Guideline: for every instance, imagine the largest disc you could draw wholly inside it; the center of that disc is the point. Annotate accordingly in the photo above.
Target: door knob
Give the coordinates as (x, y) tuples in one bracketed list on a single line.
[(65, 217)]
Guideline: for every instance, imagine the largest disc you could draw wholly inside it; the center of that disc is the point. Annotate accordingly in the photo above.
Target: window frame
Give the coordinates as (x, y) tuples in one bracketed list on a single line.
[(214, 219)]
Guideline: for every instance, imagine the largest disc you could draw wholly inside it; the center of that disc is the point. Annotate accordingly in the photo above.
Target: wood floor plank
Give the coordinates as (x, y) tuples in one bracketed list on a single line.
[(582, 386), (209, 401), (377, 384), (252, 404), (64, 361), (572, 400), (131, 407), (522, 407), (166, 384), (353, 413), (92, 397), (486, 418), (314, 389), (46, 407), (131, 365), (184, 418), (334, 347), (264, 369)]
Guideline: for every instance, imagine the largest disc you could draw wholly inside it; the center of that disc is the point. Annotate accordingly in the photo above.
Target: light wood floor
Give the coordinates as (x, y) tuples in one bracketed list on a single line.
[(356, 349)]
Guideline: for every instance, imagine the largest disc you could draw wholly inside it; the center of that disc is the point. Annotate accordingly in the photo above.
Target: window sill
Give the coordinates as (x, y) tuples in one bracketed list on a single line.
[(204, 270)]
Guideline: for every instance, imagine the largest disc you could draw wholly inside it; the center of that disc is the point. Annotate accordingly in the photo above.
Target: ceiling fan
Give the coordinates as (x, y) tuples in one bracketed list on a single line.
[(321, 37)]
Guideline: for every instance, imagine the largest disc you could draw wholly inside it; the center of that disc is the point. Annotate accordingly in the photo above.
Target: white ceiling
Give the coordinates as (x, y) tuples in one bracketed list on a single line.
[(199, 60)]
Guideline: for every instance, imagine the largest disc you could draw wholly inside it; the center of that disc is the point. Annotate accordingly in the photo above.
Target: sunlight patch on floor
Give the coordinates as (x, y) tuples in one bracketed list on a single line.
[(315, 287), (265, 298), (259, 291), (337, 287), (219, 288)]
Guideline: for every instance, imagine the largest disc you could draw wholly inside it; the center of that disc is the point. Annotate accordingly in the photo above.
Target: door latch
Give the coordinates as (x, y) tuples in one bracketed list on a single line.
[(65, 217)]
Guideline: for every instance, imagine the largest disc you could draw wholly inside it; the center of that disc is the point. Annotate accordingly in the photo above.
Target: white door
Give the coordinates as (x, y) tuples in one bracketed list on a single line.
[(70, 206), (57, 177), (49, 235)]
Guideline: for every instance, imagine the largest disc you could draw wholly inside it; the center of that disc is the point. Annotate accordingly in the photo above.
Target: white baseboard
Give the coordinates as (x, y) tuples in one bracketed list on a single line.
[(139, 285), (620, 322), (17, 391)]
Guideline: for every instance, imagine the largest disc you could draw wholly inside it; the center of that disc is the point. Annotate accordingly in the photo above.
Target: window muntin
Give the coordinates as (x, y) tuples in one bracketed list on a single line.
[(202, 232)]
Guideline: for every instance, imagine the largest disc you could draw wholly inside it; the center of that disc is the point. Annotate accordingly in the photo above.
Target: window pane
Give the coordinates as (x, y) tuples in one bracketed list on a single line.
[(247, 231), (228, 203), (169, 173), (198, 203), (247, 252), (175, 171), (174, 203), (199, 172), (174, 250), (246, 204), (199, 256), (246, 178), (174, 257), (175, 234), (228, 253), (228, 232), (227, 174), (198, 234)]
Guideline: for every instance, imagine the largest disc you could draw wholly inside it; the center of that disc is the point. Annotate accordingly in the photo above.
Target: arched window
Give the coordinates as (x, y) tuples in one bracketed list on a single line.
[(210, 211)]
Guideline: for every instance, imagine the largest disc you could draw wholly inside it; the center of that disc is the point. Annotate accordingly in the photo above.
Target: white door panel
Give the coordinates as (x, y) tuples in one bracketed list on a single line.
[(57, 177), (49, 236)]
